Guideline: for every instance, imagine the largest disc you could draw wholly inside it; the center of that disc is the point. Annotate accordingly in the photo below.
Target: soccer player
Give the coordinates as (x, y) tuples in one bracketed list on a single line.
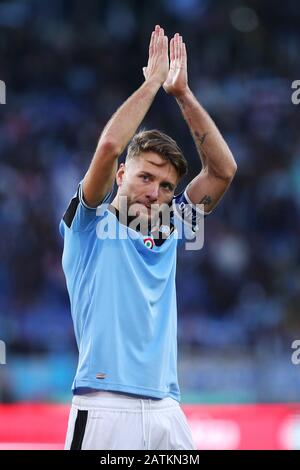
[(122, 288)]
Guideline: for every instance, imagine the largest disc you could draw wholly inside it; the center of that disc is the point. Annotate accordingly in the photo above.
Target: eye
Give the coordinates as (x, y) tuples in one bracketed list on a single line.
[(145, 177), (167, 187)]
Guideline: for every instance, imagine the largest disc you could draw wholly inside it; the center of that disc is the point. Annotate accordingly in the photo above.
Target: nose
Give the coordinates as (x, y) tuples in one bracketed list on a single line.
[(152, 193)]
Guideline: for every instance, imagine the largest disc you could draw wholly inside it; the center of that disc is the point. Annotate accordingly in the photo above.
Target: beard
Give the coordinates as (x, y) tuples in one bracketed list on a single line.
[(144, 218), (138, 216)]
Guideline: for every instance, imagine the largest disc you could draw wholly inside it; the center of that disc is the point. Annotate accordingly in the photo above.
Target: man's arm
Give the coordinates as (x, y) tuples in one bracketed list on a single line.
[(124, 123), (218, 164)]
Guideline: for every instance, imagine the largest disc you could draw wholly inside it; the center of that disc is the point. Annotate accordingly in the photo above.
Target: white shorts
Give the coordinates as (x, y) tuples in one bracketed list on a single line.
[(111, 421)]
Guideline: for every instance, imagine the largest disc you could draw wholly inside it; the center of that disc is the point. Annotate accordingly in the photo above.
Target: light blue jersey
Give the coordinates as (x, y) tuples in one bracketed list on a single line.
[(123, 303)]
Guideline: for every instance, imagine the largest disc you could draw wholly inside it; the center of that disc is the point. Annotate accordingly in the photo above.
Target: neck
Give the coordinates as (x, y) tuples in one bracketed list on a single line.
[(115, 202)]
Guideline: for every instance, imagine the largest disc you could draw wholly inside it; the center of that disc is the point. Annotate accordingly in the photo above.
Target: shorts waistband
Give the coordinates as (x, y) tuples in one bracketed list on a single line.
[(103, 399)]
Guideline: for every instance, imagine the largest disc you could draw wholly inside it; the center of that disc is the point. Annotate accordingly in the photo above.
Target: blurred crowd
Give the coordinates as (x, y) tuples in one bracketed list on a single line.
[(67, 66)]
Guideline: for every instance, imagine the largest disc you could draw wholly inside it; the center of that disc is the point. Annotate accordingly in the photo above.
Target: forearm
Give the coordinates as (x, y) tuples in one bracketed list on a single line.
[(212, 148), (124, 123)]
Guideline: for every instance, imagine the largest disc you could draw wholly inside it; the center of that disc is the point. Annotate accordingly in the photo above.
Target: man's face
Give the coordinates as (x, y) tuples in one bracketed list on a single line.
[(147, 181)]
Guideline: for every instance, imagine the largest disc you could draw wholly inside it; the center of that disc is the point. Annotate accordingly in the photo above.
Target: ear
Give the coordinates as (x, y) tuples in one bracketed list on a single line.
[(120, 174)]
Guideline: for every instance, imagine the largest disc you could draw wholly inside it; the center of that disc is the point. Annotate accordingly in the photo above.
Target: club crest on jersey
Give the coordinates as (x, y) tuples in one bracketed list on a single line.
[(149, 242)]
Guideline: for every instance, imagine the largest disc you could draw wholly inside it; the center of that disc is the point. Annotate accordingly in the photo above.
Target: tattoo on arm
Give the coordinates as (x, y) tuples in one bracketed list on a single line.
[(206, 201), (200, 138), (199, 141)]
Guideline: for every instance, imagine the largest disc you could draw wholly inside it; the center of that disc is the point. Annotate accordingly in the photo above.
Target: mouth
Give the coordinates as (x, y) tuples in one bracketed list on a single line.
[(151, 209), (145, 205)]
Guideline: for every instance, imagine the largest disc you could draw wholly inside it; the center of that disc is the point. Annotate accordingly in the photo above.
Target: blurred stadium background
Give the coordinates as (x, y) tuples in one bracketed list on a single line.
[(67, 66)]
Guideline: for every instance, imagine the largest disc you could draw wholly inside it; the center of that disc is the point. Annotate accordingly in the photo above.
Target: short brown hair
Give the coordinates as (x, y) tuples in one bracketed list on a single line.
[(160, 143)]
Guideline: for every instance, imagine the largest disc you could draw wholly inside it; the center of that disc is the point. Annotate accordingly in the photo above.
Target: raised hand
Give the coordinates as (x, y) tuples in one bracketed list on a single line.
[(158, 62), (177, 80)]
